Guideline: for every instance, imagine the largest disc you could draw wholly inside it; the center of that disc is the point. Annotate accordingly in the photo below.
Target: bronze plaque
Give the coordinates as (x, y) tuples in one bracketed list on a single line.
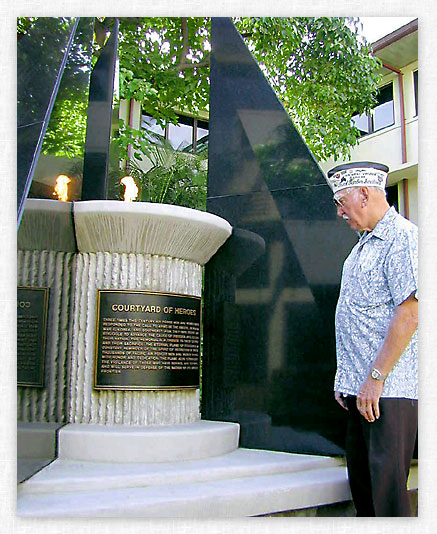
[(32, 310), (147, 340)]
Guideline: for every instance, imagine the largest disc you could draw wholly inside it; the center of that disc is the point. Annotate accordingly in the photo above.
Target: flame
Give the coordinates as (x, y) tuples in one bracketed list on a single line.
[(61, 187), (131, 189)]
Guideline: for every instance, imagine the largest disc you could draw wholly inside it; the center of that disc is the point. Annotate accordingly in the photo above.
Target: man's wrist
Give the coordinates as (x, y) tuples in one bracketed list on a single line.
[(377, 375)]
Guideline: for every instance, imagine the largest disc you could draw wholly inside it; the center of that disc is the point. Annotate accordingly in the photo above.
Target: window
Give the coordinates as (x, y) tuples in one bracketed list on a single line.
[(181, 135), (382, 114), (152, 127), (190, 134), (416, 90), (363, 122), (393, 196)]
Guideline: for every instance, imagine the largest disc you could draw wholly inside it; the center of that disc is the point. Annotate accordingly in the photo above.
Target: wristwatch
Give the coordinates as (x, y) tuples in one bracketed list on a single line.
[(377, 375)]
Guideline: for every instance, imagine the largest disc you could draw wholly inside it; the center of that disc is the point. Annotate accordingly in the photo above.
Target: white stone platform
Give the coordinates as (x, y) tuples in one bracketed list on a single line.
[(215, 480), (227, 482), (241, 483)]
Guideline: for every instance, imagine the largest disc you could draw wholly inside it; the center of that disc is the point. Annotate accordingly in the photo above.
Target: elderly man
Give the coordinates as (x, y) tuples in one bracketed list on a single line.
[(376, 321)]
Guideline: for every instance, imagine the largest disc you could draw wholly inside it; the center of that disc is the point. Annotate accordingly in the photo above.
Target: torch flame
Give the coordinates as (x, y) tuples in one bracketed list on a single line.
[(61, 188), (131, 189)]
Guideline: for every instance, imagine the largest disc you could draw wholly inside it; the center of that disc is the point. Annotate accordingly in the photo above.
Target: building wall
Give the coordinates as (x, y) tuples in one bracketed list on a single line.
[(385, 145)]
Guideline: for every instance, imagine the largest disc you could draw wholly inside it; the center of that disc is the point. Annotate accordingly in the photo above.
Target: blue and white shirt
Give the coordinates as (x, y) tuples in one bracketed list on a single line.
[(379, 274)]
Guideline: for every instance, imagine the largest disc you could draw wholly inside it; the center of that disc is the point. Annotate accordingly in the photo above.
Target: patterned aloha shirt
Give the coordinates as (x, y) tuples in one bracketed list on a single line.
[(379, 274)]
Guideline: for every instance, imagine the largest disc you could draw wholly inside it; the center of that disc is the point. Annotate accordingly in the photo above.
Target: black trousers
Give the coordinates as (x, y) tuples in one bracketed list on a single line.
[(379, 455)]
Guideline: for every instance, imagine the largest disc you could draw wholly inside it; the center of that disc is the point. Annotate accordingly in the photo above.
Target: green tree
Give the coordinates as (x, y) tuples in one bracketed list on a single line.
[(174, 178), (24, 25), (320, 70)]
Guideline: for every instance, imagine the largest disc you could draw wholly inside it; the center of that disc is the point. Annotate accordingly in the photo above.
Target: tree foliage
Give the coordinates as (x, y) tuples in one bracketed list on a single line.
[(24, 25), (322, 73), (320, 70), (174, 178), (164, 64)]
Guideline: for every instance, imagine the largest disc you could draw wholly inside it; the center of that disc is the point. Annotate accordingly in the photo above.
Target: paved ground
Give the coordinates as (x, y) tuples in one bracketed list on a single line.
[(342, 509)]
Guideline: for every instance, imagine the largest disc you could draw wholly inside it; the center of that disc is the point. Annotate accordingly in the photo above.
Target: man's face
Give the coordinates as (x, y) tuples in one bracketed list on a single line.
[(349, 207)]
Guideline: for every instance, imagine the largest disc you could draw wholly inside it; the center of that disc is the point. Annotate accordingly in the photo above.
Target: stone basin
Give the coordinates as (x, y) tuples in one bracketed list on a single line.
[(151, 228), (47, 225)]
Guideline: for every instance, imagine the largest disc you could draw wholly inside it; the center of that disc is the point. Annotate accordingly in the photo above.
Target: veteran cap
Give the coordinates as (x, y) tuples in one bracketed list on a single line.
[(357, 174)]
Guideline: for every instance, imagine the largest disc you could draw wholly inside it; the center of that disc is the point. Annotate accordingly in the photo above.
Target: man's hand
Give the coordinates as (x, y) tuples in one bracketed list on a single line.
[(401, 329), (340, 399), (368, 399)]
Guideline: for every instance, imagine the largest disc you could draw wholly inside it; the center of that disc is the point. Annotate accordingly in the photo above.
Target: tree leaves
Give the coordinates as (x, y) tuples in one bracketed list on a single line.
[(174, 178), (328, 77), (318, 68), (322, 73)]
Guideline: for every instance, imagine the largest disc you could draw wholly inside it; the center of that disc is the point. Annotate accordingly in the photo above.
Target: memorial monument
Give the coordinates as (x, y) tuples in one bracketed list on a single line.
[(269, 358), (121, 285), (121, 304)]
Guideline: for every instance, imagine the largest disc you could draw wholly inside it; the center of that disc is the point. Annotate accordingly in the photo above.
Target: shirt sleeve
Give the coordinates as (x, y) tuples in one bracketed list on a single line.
[(401, 266)]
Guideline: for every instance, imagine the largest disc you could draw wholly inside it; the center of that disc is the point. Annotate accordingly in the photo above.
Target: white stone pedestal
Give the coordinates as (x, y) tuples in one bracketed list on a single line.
[(120, 245), (145, 246), (46, 256)]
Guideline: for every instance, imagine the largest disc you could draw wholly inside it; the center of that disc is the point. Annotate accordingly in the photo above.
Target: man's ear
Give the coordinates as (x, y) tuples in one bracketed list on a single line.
[(364, 193)]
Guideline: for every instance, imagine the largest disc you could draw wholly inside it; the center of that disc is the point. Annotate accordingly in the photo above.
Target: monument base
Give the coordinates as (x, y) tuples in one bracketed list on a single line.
[(234, 483), (36, 447), (147, 444), (193, 470)]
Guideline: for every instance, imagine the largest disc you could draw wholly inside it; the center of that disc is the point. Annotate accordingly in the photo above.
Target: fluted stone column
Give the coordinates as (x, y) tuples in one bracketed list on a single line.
[(137, 246), (46, 256)]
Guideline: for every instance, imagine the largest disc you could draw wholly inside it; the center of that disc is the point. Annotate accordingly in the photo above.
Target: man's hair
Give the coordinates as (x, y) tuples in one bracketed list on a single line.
[(379, 190), (349, 190)]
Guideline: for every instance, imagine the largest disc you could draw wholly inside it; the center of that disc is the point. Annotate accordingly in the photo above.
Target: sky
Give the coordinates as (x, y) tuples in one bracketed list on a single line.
[(376, 27)]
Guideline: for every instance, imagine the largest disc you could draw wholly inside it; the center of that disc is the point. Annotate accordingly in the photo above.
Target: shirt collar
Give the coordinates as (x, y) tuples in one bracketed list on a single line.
[(383, 226)]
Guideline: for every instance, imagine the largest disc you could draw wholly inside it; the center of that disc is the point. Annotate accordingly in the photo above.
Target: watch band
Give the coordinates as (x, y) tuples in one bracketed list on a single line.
[(377, 375)]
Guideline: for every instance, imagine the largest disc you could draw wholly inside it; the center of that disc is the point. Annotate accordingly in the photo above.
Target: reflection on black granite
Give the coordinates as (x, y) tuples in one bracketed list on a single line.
[(98, 135), (53, 61), (271, 291), (64, 141), (40, 60)]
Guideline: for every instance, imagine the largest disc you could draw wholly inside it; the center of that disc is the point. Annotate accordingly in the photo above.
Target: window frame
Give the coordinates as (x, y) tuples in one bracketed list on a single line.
[(371, 116), (194, 122), (416, 91)]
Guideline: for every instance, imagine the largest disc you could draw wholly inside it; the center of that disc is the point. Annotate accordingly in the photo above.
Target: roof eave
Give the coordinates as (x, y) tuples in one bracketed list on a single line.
[(397, 35)]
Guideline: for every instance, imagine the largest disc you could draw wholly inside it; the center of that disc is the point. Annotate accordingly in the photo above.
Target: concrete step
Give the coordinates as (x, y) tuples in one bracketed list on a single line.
[(68, 476), (214, 498), (37, 440), (237, 483)]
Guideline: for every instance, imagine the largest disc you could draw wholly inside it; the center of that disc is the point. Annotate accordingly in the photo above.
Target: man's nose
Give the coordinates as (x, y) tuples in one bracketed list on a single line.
[(340, 211)]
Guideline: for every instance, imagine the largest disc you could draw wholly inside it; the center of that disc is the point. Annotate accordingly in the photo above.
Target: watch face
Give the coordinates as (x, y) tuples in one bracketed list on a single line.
[(375, 374)]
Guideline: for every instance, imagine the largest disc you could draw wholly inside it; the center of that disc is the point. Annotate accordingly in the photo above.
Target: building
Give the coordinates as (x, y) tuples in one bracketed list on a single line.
[(390, 133)]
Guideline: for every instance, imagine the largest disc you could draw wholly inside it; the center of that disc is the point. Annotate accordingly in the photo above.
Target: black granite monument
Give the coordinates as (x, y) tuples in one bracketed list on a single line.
[(271, 291), (41, 60)]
